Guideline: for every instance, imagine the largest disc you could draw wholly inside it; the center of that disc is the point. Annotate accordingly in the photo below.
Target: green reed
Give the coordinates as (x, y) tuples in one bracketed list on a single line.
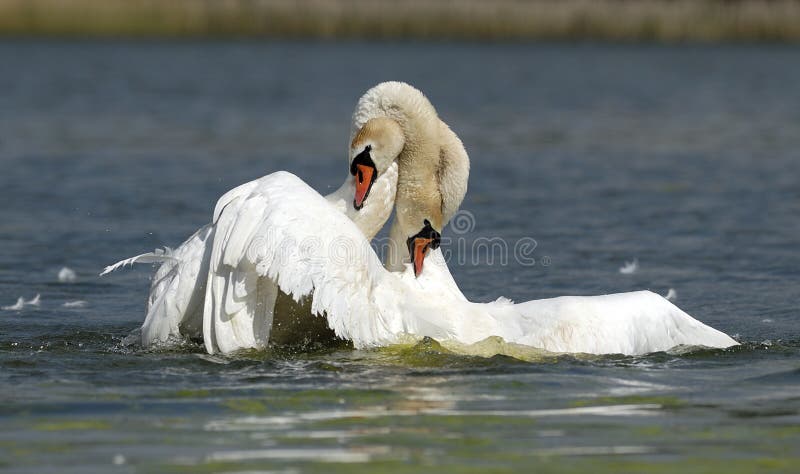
[(615, 20)]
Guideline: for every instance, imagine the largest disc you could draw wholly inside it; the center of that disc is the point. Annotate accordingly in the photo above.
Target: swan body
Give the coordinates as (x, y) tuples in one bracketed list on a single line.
[(371, 306), (630, 323), (197, 292), (221, 285), (179, 305)]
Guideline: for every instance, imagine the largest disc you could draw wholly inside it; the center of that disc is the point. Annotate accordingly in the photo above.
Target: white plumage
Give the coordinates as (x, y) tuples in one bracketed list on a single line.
[(210, 287), (308, 250), (277, 234)]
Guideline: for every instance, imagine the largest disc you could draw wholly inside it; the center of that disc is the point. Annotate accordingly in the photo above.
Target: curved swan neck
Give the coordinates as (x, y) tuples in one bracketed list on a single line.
[(433, 165), (401, 102), (376, 211)]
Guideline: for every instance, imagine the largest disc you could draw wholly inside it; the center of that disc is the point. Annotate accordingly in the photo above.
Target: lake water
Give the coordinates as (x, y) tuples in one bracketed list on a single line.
[(686, 158)]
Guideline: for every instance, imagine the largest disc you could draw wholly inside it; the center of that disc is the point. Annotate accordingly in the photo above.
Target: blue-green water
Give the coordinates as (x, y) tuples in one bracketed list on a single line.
[(684, 157)]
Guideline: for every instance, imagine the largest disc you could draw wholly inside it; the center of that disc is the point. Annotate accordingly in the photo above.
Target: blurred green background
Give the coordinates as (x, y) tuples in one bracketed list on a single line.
[(615, 20)]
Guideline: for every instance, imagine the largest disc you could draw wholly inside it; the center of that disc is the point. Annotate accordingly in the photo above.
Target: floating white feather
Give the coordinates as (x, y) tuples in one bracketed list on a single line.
[(156, 256), (36, 301), (67, 275), (75, 304), (630, 267), (21, 303), (16, 306)]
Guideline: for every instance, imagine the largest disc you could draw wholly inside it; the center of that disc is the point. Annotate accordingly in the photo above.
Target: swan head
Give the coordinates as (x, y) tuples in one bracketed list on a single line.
[(372, 151), (433, 175), (394, 124), (418, 244)]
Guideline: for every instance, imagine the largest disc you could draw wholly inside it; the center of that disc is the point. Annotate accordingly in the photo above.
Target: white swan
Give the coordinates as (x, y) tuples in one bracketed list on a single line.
[(278, 231), (371, 306), (392, 123), (195, 293)]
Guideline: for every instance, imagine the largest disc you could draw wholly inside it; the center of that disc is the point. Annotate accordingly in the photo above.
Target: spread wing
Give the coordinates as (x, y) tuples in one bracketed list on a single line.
[(281, 232), (176, 292), (269, 234), (277, 232)]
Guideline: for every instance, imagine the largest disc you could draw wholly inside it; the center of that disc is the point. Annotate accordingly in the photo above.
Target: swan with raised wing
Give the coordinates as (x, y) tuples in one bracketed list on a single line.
[(277, 232), (230, 307), (371, 306)]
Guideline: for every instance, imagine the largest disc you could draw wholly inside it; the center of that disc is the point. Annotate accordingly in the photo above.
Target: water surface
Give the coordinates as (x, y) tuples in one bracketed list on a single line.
[(685, 158)]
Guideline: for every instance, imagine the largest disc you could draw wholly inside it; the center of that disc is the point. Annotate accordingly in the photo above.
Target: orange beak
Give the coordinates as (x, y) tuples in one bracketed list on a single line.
[(364, 176), (418, 257), (419, 243)]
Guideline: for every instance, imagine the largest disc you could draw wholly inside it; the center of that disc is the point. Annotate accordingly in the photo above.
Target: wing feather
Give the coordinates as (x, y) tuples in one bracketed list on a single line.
[(277, 232), (283, 231), (177, 291), (156, 256)]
